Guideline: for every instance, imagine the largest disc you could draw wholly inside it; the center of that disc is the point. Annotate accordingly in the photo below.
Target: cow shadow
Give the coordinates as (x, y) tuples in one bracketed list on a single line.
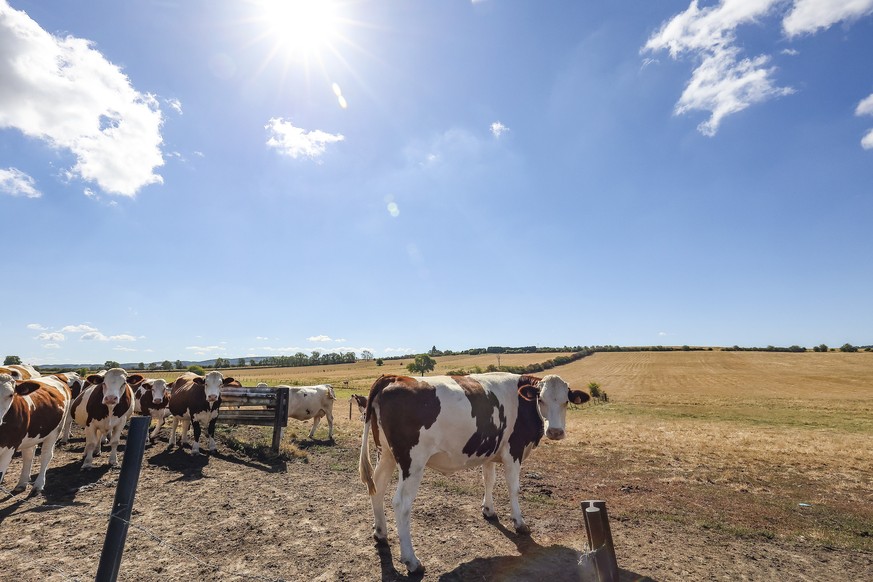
[(309, 443), (555, 563), (63, 484), (278, 465), (188, 465), (386, 563)]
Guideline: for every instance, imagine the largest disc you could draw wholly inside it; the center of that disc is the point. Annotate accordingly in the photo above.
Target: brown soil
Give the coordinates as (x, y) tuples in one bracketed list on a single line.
[(234, 515)]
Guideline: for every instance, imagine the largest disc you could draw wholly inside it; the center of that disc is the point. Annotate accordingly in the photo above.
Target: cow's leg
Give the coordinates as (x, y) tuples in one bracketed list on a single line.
[(329, 415), (315, 420), (513, 471), (5, 457), (47, 452), (407, 489), (68, 425), (186, 422), (158, 426), (195, 446), (381, 479), (489, 475), (26, 466), (92, 441), (114, 438), (210, 431), (172, 442)]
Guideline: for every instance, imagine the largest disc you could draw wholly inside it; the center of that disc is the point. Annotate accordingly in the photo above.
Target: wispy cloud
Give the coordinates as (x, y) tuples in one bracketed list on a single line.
[(14, 182), (725, 81), (124, 337), (123, 349), (865, 107), (51, 336), (64, 92), (296, 142), (36, 326), (318, 338), (82, 327), (94, 336), (175, 105), (498, 129)]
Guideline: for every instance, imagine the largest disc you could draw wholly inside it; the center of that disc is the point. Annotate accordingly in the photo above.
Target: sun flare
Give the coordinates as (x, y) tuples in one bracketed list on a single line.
[(302, 27)]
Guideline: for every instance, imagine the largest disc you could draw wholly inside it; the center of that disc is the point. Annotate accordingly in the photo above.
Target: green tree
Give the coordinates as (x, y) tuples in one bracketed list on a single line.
[(379, 361), (111, 364), (848, 348), (422, 365), (177, 365), (241, 362), (366, 355), (166, 365), (252, 363), (12, 361), (197, 369), (141, 366)]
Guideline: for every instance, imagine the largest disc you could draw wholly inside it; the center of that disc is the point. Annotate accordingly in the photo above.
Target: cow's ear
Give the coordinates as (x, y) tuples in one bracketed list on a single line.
[(135, 379), (227, 381), (529, 392), (147, 385), (199, 380), (578, 397), (95, 379), (23, 388)]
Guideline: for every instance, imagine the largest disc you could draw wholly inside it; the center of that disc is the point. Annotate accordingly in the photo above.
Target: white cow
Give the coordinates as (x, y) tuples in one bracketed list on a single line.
[(103, 409), (450, 423), (305, 402)]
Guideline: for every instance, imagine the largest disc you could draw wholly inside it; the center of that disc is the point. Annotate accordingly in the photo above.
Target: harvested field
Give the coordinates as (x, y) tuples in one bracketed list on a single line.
[(715, 466)]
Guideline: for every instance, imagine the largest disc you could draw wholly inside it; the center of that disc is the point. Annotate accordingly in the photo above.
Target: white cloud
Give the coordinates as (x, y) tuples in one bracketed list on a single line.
[(318, 338), (78, 328), (51, 336), (66, 93), (341, 339), (261, 338), (724, 82), (123, 349), (94, 336), (865, 107), (809, 16), (51, 346), (296, 142), (498, 129), (36, 326), (175, 105), (123, 338), (16, 183)]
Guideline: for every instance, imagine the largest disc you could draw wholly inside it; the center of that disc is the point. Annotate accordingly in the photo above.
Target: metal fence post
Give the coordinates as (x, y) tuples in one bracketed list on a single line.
[(116, 531)]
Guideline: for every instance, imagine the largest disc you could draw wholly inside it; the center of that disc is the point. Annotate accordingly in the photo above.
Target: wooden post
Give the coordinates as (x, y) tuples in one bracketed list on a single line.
[(281, 421), (600, 538)]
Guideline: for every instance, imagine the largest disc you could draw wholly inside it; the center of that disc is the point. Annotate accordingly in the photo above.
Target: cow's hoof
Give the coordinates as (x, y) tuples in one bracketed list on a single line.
[(18, 489), (414, 567), (523, 529), (489, 514), (380, 541)]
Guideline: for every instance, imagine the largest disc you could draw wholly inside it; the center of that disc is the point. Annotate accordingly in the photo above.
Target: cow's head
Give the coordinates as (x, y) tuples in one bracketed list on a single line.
[(12, 372), (9, 387), (213, 383), (114, 382), (159, 389), (552, 395)]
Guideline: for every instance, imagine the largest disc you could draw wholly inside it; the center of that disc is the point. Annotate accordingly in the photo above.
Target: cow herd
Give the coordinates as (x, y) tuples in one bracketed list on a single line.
[(447, 423)]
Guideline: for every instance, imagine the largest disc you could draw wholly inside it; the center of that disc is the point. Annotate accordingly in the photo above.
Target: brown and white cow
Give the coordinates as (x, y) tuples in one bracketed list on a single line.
[(20, 371), (451, 423), (73, 381), (102, 409), (361, 402), (154, 401), (315, 402), (196, 400), (31, 412)]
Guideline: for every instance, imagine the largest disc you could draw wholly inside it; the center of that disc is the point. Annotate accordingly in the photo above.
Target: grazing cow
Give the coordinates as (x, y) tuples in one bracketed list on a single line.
[(20, 371), (305, 402), (154, 401), (31, 412), (196, 400), (451, 423), (103, 409), (361, 401)]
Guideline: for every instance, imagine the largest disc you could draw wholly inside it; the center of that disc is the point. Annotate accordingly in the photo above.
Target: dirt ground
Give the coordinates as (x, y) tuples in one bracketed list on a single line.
[(233, 515)]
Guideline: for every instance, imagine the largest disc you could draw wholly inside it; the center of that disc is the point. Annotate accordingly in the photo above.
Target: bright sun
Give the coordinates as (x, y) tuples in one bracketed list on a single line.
[(302, 28)]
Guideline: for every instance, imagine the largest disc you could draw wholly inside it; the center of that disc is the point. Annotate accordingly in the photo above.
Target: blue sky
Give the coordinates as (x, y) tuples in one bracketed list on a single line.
[(192, 179)]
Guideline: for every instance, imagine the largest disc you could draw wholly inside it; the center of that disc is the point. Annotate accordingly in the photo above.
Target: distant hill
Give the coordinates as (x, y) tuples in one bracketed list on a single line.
[(135, 365)]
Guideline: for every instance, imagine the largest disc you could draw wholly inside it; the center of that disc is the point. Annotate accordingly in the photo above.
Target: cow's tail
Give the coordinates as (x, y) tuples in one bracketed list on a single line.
[(330, 392), (365, 468)]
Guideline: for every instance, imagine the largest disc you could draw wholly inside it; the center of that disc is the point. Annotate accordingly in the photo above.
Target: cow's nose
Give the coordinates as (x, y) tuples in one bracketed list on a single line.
[(110, 400), (157, 400), (555, 434), (212, 398)]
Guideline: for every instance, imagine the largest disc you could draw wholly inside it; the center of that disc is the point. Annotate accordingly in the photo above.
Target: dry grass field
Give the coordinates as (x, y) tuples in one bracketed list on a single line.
[(714, 465)]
